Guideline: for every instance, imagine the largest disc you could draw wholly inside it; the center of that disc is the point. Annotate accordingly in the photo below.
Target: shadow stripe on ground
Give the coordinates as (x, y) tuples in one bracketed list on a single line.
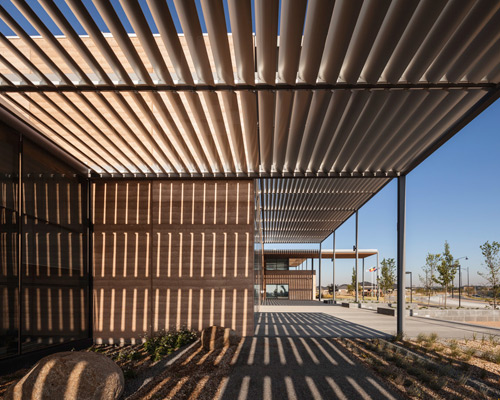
[(299, 368)]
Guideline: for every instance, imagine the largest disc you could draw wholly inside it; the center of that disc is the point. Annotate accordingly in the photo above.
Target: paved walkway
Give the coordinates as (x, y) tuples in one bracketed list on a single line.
[(311, 318), (299, 368), (294, 355)]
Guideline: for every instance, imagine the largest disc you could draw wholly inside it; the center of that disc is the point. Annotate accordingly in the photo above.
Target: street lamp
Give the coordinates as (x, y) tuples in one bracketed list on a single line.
[(411, 286), (460, 281), (468, 282)]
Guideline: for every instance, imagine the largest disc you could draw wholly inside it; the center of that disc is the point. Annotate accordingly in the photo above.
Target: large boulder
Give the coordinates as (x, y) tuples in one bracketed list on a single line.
[(216, 337), (70, 375)]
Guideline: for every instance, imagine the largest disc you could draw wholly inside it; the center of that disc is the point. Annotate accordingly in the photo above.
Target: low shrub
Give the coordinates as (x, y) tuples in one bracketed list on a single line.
[(164, 343)]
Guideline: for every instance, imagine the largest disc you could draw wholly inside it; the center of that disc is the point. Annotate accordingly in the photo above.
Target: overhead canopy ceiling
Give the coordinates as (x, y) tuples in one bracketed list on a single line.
[(304, 210), (296, 88), (298, 256)]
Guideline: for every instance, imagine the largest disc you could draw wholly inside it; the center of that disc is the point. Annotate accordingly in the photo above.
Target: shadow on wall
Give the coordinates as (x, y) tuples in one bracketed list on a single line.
[(171, 254)]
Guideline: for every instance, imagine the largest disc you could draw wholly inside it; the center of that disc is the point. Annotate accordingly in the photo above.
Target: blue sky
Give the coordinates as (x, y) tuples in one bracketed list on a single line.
[(454, 195)]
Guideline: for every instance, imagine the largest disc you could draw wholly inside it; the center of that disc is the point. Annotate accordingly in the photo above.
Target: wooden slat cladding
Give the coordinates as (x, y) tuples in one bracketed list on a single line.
[(169, 254), (300, 283)]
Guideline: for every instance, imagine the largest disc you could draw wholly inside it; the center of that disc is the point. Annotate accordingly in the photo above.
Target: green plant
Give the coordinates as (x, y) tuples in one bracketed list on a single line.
[(438, 347), (414, 391), (494, 357), (453, 344), (165, 343), (469, 353), (462, 380), (421, 338), (446, 270), (455, 353), (398, 337), (437, 383), (491, 254)]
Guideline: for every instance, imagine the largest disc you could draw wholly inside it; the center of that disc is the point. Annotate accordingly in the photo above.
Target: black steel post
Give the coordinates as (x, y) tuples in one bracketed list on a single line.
[(459, 286), (411, 287), (363, 282), (356, 299), (468, 282), (333, 261), (19, 249), (319, 293), (401, 254), (378, 280)]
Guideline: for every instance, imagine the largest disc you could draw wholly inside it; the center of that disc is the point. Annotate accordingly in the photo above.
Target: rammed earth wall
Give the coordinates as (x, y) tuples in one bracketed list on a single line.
[(172, 253)]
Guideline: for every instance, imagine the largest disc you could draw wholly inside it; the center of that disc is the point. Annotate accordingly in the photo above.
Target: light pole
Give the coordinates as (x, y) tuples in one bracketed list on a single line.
[(460, 281), (411, 286), (468, 283)]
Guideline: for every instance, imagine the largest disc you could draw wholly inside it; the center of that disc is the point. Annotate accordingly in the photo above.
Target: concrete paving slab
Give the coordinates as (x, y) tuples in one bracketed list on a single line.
[(294, 354), (356, 322)]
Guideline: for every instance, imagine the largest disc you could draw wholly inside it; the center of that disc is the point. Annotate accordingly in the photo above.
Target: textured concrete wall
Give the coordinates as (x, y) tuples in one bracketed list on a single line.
[(171, 254)]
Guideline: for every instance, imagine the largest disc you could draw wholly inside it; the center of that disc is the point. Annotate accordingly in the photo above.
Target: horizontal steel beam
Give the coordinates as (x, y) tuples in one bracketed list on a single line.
[(256, 87), (244, 175)]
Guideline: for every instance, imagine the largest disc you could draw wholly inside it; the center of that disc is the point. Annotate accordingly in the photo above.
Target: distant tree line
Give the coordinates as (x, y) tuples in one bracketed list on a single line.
[(442, 268)]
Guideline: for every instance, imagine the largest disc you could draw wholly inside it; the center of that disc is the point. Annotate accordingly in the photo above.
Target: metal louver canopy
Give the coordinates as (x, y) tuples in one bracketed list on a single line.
[(307, 210), (345, 88)]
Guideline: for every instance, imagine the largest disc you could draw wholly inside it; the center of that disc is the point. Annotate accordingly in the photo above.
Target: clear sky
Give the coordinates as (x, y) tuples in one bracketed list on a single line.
[(454, 195)]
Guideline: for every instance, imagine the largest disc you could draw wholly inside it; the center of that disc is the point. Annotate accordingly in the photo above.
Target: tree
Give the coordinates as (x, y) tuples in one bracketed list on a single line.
[(430, 267), (447, 269), (352, 286), (330, 288), (387, 274), (491, 254)]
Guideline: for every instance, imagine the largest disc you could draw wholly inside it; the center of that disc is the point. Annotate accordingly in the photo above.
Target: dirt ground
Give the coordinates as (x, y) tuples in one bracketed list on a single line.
[(430, 368)]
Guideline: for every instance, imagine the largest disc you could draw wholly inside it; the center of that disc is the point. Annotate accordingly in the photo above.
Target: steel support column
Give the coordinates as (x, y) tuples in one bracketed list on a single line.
[(401, 273), (363, 280), (333, 260), (313, 293), (319, 283), (378, 279), (19, 249), (356, 289)]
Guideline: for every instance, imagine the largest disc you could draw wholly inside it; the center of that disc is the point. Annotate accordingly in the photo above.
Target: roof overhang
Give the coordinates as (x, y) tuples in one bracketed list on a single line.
[(346, 89), (298, 256)]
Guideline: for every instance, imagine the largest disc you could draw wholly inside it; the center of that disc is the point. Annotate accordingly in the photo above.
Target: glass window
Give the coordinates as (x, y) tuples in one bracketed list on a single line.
[(279, 291), (277, 264)]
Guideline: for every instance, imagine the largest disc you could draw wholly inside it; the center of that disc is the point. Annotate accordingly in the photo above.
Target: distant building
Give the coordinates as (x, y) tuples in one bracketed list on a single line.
[(290, 274)]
